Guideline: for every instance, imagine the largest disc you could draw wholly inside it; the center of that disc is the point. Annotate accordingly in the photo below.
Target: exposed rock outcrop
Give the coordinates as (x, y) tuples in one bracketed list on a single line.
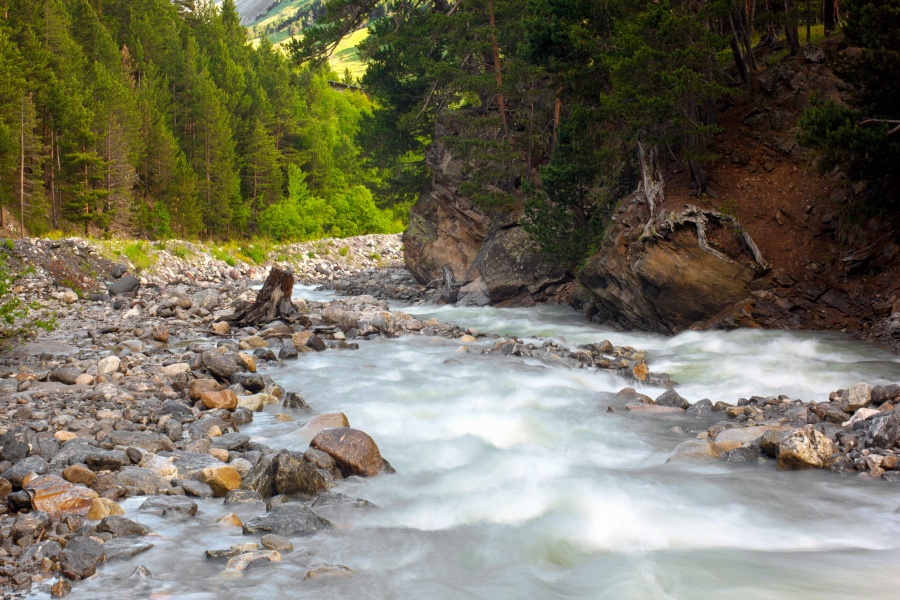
[(486, 252), (668, 281)]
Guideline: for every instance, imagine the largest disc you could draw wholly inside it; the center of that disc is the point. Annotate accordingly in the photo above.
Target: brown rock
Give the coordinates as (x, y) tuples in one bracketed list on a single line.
[(221, 327), (104, 507), (247, 361), (352, 449), (222, 479), (57, 497), (199, 386), (323, 422), (230, 520), (804, 448), (161, 334), (225, 399), (79, 474)]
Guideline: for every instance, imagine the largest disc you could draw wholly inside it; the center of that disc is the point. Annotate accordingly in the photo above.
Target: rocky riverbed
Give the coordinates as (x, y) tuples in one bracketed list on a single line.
[(142, 389)]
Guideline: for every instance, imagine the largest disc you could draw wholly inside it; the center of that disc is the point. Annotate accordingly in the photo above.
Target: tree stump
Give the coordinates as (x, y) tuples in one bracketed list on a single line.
[(273, 302)]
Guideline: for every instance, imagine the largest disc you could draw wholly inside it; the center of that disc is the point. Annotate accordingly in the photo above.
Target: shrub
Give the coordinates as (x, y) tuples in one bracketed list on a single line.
[(140, 254), (17, 320)]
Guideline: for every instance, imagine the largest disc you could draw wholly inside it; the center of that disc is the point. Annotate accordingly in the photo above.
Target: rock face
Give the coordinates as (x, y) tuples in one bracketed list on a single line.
[(485, 251), (663, 284)]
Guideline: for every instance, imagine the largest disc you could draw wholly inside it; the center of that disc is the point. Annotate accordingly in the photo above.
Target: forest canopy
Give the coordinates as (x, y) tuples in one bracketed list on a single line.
[(161, 119)]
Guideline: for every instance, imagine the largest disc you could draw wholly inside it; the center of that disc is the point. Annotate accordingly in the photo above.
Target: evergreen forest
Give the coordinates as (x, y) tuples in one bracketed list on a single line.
[(160, 119)]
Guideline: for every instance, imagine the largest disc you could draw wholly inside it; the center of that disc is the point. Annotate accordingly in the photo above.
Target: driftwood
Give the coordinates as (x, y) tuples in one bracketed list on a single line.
[(273, 302), (701, 218)]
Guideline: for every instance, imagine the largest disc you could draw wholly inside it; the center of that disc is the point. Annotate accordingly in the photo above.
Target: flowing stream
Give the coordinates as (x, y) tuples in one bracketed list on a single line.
[(513, 481)]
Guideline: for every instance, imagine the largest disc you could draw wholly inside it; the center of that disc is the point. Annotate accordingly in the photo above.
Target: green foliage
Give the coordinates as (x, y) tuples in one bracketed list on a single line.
[(255, 253), (344, 250), (874, 27), (140, 254), (17, 318), (864, 152)]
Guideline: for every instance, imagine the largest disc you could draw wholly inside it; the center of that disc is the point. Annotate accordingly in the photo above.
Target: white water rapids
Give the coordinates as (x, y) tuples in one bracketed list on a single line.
[(513, 482)]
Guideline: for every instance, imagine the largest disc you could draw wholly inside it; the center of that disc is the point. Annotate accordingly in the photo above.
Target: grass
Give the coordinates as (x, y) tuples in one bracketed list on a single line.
[(140, 255)]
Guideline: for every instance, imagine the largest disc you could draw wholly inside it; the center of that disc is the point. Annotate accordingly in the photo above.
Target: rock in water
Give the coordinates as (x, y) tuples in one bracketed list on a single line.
[(352, 449), (80, 558), (291, 518), (804, 448), (296, 476)]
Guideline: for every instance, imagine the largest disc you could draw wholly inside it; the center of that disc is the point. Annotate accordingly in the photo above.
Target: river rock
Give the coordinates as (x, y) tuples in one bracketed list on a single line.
[(319, 570), (120, 526), (165, 505), (242, 497), (151, 442), (270, 541), (225, 399), (57, 497), (322, 422), (856, 397), (66, 375), (256, 402), (296, 401), (142, 480), (122, 548), (261, 479), (251, 382), (352, 449), (107, 365), (672, 398), (256, 558), (736, 437), (19, 471), (294, 475), (221, 479), (200, 386), (219, 364), (694, 449), (804, 448), (80, 558), (290, 518), (125, 285), (104, 507), (207, 299)]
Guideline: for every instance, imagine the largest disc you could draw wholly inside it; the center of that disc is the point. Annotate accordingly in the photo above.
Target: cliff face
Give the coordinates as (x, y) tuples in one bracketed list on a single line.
[(666, 282), (486, 252)]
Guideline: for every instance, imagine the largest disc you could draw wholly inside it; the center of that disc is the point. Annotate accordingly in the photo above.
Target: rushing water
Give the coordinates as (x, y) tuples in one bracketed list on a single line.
[(514, 482)]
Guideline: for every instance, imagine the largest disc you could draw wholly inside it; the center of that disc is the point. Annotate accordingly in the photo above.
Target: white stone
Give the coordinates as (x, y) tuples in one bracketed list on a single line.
[(177, 369), (107, 365)]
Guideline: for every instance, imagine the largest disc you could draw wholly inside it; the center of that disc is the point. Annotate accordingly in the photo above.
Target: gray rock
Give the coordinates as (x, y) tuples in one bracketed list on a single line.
[(177, 410), (13, 446), (220, 365), (165, 505), (120, 526), (294, 475), (296, 401), (856, 397), (206, 299), (122, 548), (288, 351), (672, 398), (18, 471), (99, 460), (124, 285), (242, 497), (151, 442), (701, 408), (261, 479), (66, 375), (230, 441), (270, 541), (143, 480), (80, 558), (196, 488), (292, 518), (251, 381)]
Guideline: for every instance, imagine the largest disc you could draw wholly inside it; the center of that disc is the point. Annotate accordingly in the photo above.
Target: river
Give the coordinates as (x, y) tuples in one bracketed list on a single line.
[(513, 481)]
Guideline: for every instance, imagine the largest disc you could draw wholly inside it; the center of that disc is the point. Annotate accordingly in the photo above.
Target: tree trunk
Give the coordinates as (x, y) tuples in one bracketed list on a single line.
[(830, 14), (22, 174), (273, 302), (790, 27)]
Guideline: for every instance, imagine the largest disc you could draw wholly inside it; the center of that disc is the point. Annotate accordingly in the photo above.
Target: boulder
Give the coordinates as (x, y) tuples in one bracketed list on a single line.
[(107, 365), (122, 548), (19, 471), (80, 558), (221, 479), (694, 449), (125, 285), (66, 375), (736, 437), (856, 397), (323, 422), (151, 442), (221, 365), (225, 399), (104, 507), (352, 449), (120, 526), (804, 448), (294, 475), (57, 497), (165, 505), (199, 386), (290, 518), (672, 398)]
